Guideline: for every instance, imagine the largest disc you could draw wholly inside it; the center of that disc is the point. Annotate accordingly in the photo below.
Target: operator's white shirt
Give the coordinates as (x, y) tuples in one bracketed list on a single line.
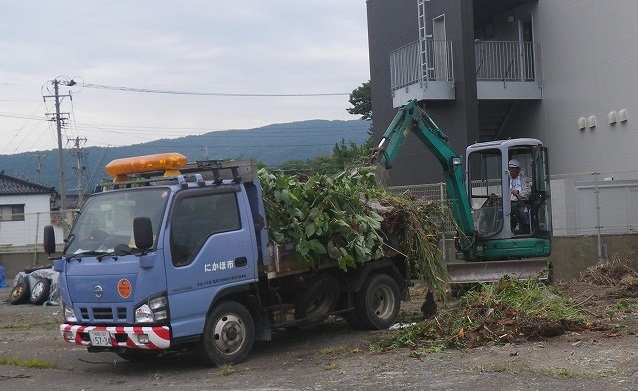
[(515, 184)]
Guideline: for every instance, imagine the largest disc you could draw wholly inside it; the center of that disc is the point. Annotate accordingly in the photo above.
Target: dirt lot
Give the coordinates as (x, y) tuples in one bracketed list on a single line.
[(334, 357)]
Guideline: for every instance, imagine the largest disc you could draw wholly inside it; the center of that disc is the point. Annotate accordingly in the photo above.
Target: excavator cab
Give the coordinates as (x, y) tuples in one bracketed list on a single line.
[(492, 168)]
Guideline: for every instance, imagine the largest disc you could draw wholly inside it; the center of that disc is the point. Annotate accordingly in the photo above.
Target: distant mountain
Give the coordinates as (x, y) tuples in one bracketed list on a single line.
[(271, 144)]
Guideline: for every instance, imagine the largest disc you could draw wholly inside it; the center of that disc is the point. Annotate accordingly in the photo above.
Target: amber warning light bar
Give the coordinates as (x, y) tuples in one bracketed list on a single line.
[(171, 163)]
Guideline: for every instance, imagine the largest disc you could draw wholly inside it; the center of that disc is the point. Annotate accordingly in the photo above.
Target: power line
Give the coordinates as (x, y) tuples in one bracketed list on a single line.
[(198, 93), (278, 145), (22, 116)]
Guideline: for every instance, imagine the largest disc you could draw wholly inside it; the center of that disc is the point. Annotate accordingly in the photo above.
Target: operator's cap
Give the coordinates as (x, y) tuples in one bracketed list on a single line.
[(514, 164)]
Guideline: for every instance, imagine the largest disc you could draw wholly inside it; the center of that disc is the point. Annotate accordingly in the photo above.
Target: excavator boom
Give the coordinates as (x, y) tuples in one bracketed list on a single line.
[(411, 119)]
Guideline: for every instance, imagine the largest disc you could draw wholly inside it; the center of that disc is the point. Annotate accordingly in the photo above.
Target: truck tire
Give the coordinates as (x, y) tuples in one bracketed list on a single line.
[(316, 301), (377, 304), (20, 292), (40, 291), (229, 333)]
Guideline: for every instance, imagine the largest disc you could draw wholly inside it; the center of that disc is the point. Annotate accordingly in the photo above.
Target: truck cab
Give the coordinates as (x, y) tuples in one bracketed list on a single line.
[(119, 293)]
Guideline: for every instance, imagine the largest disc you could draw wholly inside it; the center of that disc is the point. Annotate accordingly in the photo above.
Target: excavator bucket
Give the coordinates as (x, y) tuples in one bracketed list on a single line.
[(524, 269)]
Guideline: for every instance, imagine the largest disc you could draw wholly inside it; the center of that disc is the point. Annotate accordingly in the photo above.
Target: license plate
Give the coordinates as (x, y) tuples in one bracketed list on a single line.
[(100, 338)]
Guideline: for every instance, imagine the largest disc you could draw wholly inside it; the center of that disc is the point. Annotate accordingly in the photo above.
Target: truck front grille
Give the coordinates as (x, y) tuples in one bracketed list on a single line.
[(103, 313)]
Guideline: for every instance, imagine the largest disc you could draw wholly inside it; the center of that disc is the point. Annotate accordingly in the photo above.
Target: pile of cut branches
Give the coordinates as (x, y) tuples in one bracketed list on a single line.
[(508, 311), (350, 219)]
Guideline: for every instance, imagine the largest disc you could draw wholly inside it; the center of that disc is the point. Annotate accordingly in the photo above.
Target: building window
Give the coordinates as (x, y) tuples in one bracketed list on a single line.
[(12, 212)]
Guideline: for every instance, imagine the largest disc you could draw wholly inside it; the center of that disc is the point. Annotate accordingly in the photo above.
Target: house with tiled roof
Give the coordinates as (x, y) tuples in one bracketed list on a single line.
[(25, 208)]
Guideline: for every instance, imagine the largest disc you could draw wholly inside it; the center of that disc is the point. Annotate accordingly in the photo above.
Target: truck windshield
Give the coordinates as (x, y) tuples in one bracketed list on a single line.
[(106, 219)]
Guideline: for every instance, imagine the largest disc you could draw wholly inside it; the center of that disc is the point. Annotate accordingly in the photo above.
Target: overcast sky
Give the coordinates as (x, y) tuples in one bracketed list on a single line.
[(244, 47)]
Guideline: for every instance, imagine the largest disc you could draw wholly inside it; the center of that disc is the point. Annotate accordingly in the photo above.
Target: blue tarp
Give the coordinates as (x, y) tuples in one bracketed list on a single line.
[(3, 280)]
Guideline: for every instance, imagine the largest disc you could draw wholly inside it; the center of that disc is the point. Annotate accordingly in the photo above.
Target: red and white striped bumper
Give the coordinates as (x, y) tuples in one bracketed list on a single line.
[(134, 337)]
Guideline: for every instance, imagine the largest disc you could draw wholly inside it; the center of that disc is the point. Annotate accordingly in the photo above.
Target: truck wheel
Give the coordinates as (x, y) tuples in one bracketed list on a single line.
[(316, 301), (40, 291), (20, 292), (229, 333), (377, 304)]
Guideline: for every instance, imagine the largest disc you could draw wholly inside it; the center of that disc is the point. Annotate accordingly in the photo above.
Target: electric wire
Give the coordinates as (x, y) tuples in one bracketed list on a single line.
[(140, 132), (199, 93), (21, 128)]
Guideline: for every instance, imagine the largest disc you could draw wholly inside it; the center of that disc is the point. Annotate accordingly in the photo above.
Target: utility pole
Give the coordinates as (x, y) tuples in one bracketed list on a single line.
[(79, 165), (38, 166), (58, 118)]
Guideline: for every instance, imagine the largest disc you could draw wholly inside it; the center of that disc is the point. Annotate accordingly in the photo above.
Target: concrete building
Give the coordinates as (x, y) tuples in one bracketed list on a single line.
[(562, 71)]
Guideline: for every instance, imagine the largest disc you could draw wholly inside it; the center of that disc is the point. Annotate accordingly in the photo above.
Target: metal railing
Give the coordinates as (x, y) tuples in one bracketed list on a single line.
[(506, 61), (432, 60), (419, 61)]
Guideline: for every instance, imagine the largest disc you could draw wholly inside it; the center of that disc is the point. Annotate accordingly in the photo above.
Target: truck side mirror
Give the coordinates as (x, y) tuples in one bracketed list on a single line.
[(143, 232), (49, 240)]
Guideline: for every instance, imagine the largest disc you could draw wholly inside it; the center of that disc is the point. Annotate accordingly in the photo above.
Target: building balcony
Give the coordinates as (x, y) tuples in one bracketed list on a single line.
[(422, 70), (505, 70)]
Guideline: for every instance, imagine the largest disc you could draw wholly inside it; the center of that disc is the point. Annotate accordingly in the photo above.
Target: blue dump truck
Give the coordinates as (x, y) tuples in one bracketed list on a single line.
[(173, 255)]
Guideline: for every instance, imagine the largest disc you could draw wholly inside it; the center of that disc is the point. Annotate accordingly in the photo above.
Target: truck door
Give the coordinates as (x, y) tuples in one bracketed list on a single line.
[(210, 247)]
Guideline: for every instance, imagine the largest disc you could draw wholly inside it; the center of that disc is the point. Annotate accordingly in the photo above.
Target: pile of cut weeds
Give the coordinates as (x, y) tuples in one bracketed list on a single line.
[(616, 277), (607, 292), (505, 312)]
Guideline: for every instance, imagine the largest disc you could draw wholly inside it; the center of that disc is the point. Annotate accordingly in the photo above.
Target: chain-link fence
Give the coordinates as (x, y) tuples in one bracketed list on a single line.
[(26, 229), (583, 204)]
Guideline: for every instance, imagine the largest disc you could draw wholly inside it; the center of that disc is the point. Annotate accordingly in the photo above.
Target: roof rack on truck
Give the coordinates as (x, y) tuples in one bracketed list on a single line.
[(173, 167)]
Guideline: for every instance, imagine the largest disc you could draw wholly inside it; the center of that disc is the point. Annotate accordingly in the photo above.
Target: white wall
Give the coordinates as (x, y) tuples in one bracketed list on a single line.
[(589, 62), (30, 231)]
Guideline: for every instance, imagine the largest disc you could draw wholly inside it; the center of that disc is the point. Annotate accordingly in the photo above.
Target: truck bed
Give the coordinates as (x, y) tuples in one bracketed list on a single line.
[(284, 262)]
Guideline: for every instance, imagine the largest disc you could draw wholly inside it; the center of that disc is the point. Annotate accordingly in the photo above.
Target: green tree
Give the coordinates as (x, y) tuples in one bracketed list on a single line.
[(361, 101), (344, 155)]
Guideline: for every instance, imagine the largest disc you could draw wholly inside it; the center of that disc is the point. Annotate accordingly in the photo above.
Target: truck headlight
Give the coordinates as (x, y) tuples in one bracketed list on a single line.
[(69, 314), (143, 314), (153, 310)]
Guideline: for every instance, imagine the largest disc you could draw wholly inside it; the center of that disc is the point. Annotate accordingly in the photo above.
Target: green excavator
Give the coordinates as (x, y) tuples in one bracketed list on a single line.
[(500, 231)]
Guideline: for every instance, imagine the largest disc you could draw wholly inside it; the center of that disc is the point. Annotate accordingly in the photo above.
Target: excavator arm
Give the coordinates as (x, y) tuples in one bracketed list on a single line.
[(411, 119)]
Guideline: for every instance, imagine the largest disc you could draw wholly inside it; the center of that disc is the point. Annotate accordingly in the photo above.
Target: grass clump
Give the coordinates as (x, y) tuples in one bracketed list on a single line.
[(27, 363), (227, 370)]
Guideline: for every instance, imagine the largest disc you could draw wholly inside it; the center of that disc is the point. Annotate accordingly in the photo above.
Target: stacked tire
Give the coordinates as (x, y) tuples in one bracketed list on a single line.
[(36, 293)]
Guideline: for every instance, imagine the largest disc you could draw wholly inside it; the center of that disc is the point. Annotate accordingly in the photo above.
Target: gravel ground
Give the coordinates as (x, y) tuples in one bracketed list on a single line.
[(331, 357)]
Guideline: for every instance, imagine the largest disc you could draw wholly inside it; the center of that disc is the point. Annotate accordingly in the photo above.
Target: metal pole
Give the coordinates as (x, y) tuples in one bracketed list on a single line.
[(37, 229), (598, 227), (442, 198)]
